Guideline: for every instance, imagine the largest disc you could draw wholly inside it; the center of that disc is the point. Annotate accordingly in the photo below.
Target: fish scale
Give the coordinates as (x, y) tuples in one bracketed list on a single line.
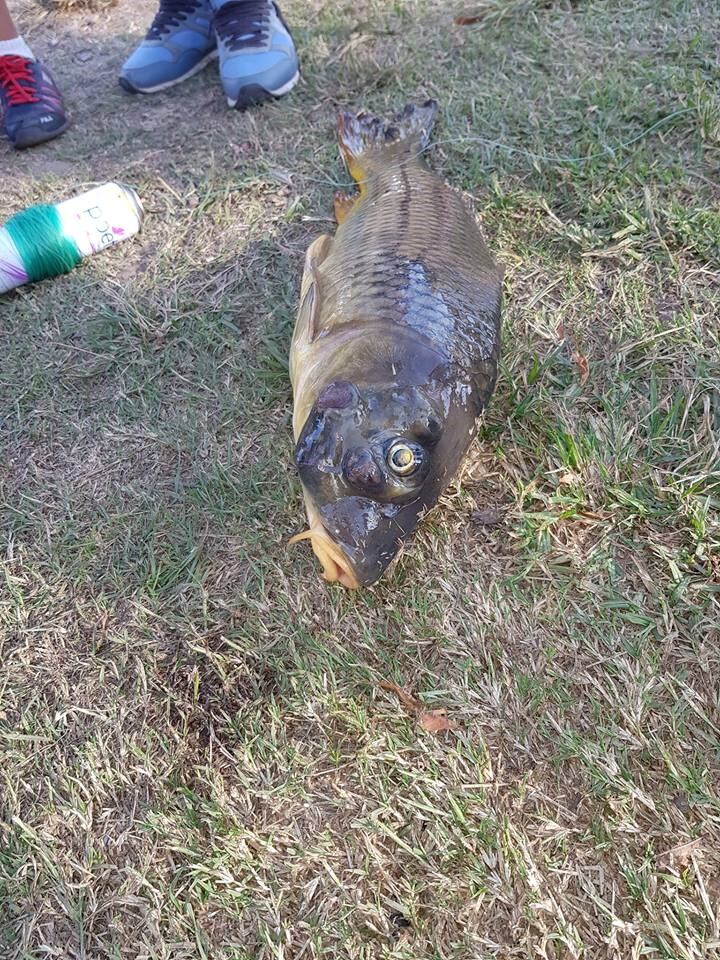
[(395, 349), (408, 227)]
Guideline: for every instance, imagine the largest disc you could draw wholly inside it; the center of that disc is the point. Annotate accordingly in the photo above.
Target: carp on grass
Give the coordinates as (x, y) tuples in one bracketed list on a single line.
[(395, 349)]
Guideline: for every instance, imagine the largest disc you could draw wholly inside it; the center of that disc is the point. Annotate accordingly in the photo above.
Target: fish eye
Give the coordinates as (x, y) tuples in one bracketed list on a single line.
[(404, 458)]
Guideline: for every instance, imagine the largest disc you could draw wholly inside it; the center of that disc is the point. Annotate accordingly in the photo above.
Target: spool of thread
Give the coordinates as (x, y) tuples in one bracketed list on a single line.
[(48, 240)]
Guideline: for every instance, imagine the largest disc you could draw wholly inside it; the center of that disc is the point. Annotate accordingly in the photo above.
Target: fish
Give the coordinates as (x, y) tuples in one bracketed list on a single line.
[(395, 349)]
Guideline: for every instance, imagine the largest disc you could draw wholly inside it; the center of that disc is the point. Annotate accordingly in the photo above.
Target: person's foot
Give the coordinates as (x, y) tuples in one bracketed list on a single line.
[(180, 42), (257, 55), (31, 102)]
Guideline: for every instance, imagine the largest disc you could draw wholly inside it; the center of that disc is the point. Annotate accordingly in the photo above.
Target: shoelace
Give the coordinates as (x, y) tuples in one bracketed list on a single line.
[(170, 14), (17, 80), (243, 23)]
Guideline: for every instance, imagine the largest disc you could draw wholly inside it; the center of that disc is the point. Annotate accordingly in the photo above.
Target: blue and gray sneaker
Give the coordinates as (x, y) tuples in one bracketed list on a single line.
[(257, 54), (180, 42)]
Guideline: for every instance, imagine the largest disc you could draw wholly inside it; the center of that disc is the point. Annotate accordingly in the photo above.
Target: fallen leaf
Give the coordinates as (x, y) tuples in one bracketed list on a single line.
[(580, 361), (431, 720), (435, 720), (679, 856), (406, 699), (578, 358), (567, 479)]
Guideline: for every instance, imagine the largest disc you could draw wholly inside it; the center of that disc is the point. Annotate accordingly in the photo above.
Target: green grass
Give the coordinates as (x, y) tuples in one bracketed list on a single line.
[(197, 759)]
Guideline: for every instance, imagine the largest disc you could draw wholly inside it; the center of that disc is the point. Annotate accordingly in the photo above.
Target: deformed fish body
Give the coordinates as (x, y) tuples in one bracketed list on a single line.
[(395, 349)]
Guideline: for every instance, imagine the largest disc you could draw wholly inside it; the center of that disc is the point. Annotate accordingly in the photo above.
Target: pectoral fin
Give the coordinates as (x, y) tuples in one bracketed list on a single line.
[(343, 204), (306, 325)]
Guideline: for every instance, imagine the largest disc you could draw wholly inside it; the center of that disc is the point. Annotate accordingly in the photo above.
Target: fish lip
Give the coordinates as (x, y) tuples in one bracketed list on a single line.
[(337, 568), (364, 577), (346, 574), (360, 578), (335, 557), (354, 575), (368, 565)]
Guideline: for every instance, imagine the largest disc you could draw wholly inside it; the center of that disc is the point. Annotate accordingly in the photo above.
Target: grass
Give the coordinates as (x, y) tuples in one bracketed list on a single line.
[(197, 757)]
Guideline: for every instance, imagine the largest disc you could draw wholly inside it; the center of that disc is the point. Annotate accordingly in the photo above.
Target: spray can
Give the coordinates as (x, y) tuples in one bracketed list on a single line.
[(47, 240)]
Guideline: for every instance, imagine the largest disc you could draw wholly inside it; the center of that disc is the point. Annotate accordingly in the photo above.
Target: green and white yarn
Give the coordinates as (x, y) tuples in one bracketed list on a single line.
[(49, 240), (33, 247)]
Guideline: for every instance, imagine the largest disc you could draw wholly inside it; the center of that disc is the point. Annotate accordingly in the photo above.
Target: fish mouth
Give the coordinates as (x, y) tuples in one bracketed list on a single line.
[(335, 564)]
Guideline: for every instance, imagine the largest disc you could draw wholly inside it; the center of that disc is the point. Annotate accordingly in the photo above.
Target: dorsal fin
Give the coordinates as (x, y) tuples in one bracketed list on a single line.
[(362, 133)]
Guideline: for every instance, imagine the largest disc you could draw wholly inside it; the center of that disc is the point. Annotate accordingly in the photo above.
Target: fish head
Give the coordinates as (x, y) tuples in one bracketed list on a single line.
[(371, 461)]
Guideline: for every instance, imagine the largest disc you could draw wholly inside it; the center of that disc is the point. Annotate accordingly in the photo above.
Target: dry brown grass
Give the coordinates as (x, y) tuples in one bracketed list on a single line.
[(197, 756), (74, 6)]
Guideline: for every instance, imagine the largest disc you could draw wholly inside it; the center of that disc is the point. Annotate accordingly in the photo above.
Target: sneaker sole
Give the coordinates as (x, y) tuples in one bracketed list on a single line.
[(253, 94), (200, 65), (37, 140)]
